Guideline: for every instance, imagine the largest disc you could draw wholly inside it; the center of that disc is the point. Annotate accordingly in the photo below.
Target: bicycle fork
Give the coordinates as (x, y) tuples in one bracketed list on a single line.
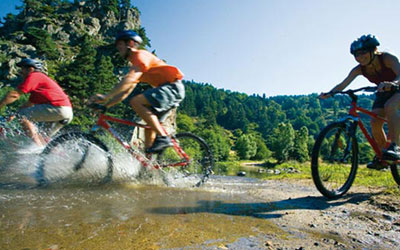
[(349, 130)]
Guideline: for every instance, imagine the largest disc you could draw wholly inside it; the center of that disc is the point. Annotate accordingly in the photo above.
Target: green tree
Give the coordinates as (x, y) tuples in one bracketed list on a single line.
[(43, 42), (246, 146), (218, 140), (282, 141), (263, 152), (300, 147), (79, 78), (104, 79), (185, 123)]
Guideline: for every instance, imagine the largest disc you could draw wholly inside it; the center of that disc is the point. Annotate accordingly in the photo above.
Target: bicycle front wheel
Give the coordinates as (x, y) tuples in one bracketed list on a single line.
[(198, 166), (335, 160), (395, 168), (75, 156)]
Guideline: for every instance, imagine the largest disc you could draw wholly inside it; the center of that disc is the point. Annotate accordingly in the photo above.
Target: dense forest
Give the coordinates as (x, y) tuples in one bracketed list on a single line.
[(75, 40)]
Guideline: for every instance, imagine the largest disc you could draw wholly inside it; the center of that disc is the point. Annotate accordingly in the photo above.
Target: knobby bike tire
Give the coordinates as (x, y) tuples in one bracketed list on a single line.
[(334, 160), (77, 156), (395, 168), (201, 162)]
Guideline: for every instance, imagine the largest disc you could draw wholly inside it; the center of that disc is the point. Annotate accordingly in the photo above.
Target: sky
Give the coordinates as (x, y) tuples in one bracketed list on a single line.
[(271, 47)]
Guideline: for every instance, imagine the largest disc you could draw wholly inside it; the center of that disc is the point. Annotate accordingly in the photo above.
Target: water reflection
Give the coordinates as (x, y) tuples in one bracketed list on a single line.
[(39, 218)]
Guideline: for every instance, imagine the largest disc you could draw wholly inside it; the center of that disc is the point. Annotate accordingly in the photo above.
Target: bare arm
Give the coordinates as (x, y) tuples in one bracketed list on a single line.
[(11, 97), (121, 90), (119, 97), (392, 62), (356, 71), (128, 83)]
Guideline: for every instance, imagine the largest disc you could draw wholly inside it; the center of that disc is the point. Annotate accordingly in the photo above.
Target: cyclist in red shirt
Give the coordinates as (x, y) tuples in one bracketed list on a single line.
[(47, 101), (153, 104), (383, 69)]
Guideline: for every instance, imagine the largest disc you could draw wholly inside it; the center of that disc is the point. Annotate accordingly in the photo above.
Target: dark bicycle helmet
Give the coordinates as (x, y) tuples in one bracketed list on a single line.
[(365, 42), (28, 62), (128, 35)]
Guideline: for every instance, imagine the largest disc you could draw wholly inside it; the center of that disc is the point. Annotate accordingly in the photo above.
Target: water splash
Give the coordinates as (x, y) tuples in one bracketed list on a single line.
[(19, 164)]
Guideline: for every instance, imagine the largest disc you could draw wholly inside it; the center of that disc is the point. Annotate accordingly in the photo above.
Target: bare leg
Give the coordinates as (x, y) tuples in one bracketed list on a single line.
[(150, 136), (393, 117), (31, 131), (377, 129), (141, 106)]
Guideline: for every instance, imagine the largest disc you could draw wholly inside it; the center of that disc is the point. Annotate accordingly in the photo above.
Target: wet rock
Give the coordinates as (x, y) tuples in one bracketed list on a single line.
[(241, 173)]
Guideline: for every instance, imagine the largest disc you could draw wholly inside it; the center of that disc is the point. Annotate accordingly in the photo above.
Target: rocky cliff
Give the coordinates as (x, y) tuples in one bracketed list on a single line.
[(53, 31)]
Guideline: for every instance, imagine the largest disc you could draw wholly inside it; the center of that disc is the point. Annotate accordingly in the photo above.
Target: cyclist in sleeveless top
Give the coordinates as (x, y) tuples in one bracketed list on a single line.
[(47, 101), (383, 69), (152, 105)]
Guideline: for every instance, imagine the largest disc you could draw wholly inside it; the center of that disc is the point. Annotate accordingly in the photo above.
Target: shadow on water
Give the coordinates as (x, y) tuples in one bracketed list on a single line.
[(263, 210)]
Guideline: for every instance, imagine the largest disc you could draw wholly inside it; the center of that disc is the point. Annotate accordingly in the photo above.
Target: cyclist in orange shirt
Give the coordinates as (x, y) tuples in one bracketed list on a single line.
[(153, 104), (383, 69)]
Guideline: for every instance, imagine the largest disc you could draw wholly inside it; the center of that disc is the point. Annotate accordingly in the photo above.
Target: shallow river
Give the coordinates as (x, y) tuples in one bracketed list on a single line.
[(131, 216), (128, 213)]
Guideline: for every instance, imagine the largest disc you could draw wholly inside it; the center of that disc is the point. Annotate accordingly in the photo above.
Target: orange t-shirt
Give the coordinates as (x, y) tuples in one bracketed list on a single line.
[(155, 71)]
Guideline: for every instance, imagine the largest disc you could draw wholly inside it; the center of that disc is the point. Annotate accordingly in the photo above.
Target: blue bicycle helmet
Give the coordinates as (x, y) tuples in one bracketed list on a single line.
[(28, 62), (365, 42), (126, 35)]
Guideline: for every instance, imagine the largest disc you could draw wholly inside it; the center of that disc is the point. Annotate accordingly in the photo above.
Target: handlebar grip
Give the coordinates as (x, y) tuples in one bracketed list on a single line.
[(97, 106)]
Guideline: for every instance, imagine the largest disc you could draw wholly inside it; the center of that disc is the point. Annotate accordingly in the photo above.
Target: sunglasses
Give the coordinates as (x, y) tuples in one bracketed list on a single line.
[(360, 52)]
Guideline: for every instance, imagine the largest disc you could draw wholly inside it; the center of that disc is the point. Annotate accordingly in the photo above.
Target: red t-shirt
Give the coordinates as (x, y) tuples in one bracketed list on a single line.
[(155, 71), (44, 90)]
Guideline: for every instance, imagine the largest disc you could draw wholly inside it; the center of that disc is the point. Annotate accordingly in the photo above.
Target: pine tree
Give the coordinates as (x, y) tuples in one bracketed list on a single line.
[(104, 78)]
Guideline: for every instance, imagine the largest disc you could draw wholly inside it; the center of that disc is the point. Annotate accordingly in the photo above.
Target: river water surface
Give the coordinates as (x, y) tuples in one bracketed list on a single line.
[(129, 214)]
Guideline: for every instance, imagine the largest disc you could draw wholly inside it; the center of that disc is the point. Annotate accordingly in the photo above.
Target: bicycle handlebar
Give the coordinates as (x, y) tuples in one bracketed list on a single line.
[(366, 89), (352, 91)]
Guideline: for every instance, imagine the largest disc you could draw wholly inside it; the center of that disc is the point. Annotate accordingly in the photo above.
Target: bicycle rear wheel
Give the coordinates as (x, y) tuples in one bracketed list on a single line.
[(197, 169), (334, 160), (74, 156)]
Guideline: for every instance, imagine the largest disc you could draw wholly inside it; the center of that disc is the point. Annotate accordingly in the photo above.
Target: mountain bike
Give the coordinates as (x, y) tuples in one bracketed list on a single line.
[(334, 160), (190, 155)]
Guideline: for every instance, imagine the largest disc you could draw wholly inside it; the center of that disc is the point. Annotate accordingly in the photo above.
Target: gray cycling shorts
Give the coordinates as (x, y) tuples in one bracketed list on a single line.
[(165, 97), (55, 117)]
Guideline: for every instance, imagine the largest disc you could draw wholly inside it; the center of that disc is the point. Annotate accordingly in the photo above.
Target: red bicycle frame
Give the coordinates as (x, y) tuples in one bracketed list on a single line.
[(353, 112), (103, 121)]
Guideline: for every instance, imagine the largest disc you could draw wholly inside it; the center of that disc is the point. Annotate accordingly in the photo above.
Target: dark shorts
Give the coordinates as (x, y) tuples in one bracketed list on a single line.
[(381, 98), (163, 98)]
